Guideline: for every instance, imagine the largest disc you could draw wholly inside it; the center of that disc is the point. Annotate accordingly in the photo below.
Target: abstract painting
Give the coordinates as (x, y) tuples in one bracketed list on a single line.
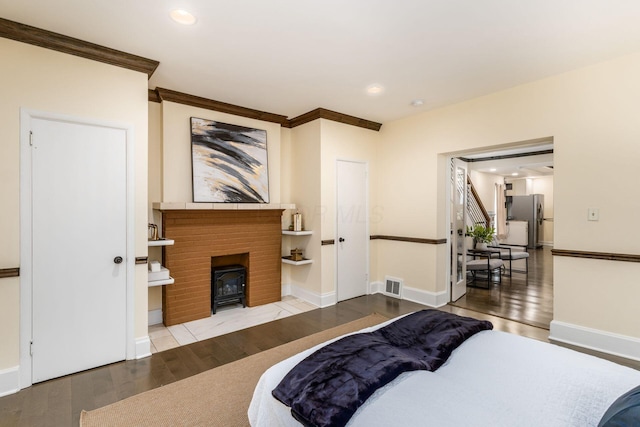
[(229, 163)]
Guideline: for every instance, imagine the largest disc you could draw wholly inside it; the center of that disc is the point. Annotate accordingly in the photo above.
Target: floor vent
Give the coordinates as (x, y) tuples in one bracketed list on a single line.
[(393, 287)]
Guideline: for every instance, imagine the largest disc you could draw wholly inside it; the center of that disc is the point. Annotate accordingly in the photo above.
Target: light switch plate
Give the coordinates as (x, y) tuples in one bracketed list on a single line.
[(593, 214)]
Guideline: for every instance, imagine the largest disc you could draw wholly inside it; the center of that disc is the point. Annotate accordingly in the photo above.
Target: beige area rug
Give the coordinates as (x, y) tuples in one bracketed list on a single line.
[(196, 401)]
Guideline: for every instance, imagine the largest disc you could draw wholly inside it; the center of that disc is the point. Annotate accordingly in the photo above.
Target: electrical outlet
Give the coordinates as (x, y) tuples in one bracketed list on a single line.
[(593, 214)]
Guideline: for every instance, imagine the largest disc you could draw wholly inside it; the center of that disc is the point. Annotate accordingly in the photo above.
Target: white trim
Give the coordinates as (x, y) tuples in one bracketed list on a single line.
[(155, 317), (143, 347), (449, 226), (594, 339), (26, 115), (324, 300), (25, 249), (285, 290), (131, 238), (9, 381), (376, 287), (431, 299)]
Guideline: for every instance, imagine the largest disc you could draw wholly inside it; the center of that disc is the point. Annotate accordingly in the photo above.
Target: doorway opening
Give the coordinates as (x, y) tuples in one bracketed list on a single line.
[(525, 295)]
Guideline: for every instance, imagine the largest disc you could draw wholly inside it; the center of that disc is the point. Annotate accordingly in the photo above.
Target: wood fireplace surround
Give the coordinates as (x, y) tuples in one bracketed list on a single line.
[(202, 235)]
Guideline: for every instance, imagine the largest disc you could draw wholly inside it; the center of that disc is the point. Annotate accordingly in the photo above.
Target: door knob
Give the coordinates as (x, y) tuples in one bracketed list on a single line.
[(340, 240), (117, 260)]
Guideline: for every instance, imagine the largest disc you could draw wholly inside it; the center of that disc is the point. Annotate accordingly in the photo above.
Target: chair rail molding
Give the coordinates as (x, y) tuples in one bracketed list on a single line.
[(9, 272), (608, 256)]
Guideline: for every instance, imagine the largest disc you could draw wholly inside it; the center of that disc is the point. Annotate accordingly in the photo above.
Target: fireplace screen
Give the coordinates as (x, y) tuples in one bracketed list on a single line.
[(228, 285)]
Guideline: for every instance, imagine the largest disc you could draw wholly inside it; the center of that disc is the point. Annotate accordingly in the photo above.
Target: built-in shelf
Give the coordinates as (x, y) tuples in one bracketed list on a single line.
[(162, 282), (287, 259), (303, 261), (161, 242), (297, 233)]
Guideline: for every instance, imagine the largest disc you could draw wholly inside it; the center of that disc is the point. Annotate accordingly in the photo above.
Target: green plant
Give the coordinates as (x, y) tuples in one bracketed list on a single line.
[(481, 233)]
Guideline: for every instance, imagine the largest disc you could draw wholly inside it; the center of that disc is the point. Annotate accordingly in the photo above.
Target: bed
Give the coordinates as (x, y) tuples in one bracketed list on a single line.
[(492, 379)]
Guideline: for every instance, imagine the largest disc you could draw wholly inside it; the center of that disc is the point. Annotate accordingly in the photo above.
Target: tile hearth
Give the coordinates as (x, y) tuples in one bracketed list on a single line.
[(227, 319)]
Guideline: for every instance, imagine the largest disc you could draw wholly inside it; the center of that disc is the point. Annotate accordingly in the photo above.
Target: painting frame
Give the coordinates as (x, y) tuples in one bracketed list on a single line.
[(229, 163)]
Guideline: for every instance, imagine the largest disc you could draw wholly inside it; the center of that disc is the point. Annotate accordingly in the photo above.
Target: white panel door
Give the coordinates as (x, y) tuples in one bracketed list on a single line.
[(78, 232), (351, 229)]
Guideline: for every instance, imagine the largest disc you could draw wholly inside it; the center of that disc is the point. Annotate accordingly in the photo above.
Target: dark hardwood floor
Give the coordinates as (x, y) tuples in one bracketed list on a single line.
[(525, 298), (59, 402)]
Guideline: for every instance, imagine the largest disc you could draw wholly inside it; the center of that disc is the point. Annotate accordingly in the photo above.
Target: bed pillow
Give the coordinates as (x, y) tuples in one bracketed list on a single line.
[(625, 411)]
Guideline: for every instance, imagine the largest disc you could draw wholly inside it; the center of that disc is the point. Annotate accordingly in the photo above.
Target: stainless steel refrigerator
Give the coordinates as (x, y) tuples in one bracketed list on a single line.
[(531, 209)]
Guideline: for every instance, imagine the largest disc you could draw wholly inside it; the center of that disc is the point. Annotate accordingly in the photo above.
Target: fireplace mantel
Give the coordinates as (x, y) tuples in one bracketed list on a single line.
[(187, 206)]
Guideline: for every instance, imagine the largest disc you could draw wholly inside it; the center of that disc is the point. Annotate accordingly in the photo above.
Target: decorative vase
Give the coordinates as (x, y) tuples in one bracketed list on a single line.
[(481, 246)]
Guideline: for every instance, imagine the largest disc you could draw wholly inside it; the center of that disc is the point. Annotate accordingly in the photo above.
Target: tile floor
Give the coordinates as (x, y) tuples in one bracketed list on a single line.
[(227, 319)]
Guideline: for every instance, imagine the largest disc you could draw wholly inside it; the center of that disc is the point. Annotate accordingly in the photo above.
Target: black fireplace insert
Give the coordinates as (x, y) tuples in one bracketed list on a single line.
[(228, 285)]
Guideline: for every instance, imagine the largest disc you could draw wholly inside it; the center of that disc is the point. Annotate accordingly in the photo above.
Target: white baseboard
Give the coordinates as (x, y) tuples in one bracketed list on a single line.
[(376, 287), (9, 381), (319, 300), (431, 299), (143, 347), (594, 339), (286, 290), (155, 317), (427, 298)]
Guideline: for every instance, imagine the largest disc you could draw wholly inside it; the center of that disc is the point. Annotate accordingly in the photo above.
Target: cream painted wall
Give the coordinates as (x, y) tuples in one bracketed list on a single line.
[(314, 149), (286, 182), (176, 149), (485, 186), (155, 191), (304, 182), (592, 115), (41, 79)]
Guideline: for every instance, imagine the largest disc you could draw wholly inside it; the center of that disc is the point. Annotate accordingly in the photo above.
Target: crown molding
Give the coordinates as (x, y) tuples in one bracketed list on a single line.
[(61, 43), (162, 94), (153, 96), (323, 113), (210, 104)]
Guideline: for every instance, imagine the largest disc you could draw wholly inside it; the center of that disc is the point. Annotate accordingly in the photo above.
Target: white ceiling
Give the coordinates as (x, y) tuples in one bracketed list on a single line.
[(291, 56)]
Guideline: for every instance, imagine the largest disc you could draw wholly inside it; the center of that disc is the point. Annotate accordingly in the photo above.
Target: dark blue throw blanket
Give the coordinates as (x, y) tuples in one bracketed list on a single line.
[(327, 387)]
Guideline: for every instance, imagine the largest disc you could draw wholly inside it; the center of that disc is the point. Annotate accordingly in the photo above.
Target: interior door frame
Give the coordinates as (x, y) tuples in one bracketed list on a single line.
[(26, 279), (367, 223)]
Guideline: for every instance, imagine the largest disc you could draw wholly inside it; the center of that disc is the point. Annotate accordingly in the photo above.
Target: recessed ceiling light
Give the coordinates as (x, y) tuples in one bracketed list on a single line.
[(493, 170), (375, 89), (514, 174), (183, 17), (417, 103)]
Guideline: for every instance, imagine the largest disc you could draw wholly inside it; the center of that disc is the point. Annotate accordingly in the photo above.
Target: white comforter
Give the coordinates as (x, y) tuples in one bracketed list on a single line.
[(493, 379)]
